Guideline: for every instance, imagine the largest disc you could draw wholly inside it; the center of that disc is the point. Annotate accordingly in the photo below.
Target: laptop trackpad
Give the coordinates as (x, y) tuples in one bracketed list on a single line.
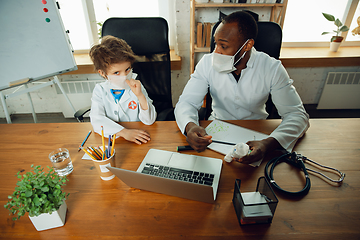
[(182, 161)]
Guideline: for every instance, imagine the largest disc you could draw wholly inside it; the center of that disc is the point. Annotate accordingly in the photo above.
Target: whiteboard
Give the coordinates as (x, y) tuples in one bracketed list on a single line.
[(33, 42)]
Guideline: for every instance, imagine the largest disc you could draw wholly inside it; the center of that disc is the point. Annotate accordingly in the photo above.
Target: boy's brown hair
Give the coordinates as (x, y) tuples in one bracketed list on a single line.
[(111, 50)]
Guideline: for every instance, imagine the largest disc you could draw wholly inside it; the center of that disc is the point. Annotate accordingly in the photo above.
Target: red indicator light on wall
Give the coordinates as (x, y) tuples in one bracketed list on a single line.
[(46, 10), (44, 1)]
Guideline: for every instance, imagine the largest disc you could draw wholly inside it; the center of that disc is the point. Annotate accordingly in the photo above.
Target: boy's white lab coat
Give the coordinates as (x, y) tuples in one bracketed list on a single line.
[(106, 112)]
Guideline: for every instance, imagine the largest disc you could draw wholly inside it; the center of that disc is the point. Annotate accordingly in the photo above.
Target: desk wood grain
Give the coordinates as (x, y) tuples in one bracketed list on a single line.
[(111, 210)]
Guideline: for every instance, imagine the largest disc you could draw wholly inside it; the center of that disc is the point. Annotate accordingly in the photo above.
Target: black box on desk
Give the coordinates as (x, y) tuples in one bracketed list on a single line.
[(255, 207)]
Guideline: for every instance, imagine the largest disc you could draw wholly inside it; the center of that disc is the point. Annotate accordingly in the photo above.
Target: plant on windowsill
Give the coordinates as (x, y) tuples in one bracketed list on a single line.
[(41, 195), (336, 40)]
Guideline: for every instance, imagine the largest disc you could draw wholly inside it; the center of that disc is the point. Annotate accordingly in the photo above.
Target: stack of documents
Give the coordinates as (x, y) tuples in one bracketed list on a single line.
[(255, 213)]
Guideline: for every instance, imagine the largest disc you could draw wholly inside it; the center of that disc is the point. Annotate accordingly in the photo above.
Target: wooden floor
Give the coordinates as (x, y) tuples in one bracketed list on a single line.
[(41, 118), (59, 117)]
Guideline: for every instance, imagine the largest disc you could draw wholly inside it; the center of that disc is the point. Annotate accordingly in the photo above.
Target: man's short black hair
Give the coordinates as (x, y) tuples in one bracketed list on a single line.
[(246, 24)]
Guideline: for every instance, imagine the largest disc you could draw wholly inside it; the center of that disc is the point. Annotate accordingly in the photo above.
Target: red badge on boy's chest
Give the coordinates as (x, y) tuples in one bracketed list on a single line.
[(132, 105)]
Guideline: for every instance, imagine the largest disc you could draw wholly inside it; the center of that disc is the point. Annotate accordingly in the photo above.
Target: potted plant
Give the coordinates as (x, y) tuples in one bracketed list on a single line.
[(41, 195), (335, 41)]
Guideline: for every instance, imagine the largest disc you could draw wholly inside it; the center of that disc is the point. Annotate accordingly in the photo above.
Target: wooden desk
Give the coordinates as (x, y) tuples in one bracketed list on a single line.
[(112, 210)]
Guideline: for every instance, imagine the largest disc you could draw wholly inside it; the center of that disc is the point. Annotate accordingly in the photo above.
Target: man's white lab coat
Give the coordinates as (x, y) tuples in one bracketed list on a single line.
[(245, 99)]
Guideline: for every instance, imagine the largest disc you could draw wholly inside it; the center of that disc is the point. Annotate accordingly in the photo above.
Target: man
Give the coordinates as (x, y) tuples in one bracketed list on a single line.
[(240, 80)]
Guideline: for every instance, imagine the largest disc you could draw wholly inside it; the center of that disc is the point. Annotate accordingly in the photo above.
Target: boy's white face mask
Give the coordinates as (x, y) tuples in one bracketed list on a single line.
[(225, 63), (119, 82)]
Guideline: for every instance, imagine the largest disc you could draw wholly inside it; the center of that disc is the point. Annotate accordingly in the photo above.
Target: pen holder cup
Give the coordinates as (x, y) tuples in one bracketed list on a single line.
[(101, 165), (255, 207)]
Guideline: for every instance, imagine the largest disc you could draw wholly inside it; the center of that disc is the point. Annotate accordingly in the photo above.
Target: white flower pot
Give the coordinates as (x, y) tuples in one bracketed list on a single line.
[(334, 46), (47, 221)]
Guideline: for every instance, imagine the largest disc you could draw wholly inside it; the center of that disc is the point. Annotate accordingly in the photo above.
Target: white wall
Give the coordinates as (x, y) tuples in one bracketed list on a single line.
[(308, 81)]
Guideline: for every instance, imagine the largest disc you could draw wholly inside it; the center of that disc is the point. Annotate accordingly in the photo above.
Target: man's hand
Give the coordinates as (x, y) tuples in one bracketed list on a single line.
[(196, 136), (259, 149)]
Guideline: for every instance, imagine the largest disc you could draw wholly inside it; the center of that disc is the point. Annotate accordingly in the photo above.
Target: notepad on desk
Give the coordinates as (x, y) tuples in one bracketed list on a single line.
[(227, 132)]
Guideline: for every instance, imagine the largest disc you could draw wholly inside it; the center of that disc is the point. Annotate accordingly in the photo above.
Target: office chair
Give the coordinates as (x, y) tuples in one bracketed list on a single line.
[(268, 40), (148, 38)]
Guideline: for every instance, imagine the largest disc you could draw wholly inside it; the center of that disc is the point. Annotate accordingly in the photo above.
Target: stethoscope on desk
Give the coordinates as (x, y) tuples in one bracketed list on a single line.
[(297, 161)]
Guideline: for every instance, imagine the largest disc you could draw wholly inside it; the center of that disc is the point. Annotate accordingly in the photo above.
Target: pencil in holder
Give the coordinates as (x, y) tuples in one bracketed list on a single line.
[(255, 207), (101, 165)]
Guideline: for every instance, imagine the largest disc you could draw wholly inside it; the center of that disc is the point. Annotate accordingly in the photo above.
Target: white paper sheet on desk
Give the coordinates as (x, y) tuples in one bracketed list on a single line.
[(86, 157), (227, 132)]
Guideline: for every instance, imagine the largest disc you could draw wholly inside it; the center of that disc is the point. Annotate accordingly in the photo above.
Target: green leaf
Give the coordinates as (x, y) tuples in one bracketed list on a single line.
[(329, 17), (45, 189), (28, 193), (338, 23), (325, 33), (36, 201), (344, 28)]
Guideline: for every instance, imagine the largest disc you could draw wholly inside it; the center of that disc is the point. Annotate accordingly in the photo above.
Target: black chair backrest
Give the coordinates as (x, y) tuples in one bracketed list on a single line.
[(268, 40), (144, 35), (148, 38)]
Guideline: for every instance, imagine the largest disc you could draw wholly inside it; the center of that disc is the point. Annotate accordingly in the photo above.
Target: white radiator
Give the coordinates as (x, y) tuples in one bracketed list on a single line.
[(79, 93), (341, 91)]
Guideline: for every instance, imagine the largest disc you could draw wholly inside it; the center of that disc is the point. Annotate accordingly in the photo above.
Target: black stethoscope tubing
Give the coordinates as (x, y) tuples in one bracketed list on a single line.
[(296, 162)]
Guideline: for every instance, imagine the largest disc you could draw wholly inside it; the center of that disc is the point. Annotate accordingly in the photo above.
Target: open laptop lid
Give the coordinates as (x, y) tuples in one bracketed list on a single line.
[(173, 187), (167, 186)]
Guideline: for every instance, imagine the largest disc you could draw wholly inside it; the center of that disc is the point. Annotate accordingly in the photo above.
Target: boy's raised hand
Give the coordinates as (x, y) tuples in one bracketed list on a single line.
[(135, 86)]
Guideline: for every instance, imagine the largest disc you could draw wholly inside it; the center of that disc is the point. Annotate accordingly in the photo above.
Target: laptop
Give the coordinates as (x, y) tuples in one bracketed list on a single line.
[(176, 174)]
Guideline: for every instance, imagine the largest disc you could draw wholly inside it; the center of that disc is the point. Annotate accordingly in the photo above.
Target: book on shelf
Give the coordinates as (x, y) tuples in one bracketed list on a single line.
[(203, 34), (199, 35), (208, 34)]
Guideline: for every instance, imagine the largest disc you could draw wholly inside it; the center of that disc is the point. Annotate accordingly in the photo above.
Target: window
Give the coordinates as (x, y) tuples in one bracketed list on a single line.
[(72, 15), (304, 22), (81, 17)]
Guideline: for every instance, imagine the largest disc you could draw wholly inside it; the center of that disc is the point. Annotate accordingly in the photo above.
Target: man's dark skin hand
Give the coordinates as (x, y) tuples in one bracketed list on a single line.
[(198, 139), (196, 136)]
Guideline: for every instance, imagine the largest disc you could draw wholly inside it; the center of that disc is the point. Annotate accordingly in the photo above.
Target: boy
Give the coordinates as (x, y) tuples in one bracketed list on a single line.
[(120, 97)]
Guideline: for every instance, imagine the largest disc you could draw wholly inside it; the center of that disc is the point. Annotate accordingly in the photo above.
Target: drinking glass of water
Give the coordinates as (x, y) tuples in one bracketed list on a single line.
[(61, 161)]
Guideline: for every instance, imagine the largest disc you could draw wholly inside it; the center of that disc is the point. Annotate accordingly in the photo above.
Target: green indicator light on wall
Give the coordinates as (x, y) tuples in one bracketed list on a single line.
[(47, 19)]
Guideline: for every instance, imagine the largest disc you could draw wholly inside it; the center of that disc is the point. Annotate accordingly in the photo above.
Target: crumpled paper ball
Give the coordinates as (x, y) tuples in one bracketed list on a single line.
[(238, 151)]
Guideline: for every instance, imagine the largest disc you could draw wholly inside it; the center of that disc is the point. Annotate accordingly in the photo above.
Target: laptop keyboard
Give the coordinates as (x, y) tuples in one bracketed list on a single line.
[(178, 174)]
